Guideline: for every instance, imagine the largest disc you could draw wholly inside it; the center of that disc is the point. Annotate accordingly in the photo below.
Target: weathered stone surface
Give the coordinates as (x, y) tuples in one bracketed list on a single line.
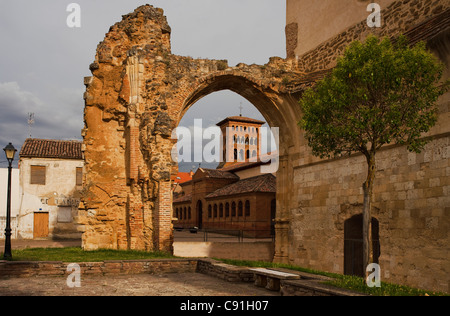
[(137, 95)]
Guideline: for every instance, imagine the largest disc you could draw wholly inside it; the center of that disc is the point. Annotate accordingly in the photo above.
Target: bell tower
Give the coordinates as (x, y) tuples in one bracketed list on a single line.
[(241, 141)]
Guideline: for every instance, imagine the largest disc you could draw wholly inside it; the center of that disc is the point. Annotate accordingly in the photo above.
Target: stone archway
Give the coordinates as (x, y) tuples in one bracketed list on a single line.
[(136, 96)]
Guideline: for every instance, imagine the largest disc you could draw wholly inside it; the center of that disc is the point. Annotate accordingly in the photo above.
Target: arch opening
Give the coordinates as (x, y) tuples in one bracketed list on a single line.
[(229, 215)]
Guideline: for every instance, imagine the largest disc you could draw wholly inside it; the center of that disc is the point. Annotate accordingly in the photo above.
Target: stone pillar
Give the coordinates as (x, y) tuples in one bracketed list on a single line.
[(282, 215), (163, 234)]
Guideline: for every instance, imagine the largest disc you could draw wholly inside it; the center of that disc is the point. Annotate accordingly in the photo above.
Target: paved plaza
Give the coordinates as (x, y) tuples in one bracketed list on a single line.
[(176, 284), (183, 284)]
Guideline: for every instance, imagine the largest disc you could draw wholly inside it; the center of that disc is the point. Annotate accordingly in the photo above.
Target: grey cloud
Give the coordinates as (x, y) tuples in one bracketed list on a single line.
[(43, 62)]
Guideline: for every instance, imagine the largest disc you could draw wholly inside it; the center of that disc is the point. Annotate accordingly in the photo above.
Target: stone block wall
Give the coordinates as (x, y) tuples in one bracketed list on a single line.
[(411, 193), (411, 203), (397, 18)]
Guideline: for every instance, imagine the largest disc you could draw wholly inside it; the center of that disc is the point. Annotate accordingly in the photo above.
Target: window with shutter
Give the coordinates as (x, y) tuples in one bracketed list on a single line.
[(37, 175)]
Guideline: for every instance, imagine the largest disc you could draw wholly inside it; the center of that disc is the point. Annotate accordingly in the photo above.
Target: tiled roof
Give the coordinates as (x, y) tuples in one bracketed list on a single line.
[(429, 28), (184, 198), (242, 119), (48, 148), (264, 183), (183, 177), (214, 173)]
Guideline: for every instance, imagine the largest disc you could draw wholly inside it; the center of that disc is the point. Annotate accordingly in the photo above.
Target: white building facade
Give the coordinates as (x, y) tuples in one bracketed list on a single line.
[(51, 174)]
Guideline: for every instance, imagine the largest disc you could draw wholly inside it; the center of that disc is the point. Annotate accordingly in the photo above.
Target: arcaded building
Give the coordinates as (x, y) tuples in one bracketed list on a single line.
[(236, 196)]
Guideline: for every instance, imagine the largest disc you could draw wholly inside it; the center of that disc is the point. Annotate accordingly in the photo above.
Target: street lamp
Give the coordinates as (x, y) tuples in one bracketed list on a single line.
[(10, 151)]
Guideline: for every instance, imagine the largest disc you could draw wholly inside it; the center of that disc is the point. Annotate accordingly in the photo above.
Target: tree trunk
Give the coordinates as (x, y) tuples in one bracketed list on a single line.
[(367, 216)]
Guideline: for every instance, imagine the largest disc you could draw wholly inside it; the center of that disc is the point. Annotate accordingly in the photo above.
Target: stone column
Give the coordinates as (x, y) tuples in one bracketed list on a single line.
[(163, 234), (282, 214)]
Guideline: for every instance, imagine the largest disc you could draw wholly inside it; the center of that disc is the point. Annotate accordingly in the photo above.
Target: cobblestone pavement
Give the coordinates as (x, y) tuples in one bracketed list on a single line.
[(183, 284)]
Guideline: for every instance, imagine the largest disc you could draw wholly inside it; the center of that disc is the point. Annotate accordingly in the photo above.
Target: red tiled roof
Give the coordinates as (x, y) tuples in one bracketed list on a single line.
[(241, 119), (184, 177), (264, 183), (48, 148)]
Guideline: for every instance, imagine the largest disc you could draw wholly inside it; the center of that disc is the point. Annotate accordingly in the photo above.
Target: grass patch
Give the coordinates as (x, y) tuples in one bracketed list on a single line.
[(348, 282), (77, 254)]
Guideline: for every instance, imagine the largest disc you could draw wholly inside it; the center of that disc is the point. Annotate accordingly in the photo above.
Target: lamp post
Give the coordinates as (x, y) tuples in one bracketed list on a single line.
[(10, 151)]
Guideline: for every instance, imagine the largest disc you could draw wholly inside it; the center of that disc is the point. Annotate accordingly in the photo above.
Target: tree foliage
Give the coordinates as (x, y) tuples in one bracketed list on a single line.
[(380, 92)]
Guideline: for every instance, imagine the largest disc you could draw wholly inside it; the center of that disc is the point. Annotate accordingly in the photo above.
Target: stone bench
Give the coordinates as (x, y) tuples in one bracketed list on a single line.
[(270, 279)]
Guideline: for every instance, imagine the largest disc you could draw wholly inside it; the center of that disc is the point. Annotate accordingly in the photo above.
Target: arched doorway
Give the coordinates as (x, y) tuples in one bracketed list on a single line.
[(353, 245)]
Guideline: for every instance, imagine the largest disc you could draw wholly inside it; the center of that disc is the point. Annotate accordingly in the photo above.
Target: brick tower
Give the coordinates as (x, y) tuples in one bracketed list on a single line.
[(241, 141)]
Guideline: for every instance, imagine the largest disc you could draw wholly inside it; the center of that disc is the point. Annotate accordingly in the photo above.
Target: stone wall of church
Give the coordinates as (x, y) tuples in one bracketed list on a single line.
[(396, 18), (412, 191), (310, 23), (411, 203)]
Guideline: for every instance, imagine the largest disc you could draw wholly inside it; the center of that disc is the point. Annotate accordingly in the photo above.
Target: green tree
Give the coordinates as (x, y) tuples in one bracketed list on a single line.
[(380, 92)]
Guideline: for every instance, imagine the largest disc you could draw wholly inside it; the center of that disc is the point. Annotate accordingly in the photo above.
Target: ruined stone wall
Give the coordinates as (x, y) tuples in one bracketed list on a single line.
[(136, 96)]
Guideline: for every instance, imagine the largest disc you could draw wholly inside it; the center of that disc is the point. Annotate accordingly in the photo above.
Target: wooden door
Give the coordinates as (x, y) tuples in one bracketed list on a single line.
[(353, 245), (40, 225)]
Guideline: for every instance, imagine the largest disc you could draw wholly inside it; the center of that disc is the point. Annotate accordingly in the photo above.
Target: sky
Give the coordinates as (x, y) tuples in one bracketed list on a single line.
[(43, 61)]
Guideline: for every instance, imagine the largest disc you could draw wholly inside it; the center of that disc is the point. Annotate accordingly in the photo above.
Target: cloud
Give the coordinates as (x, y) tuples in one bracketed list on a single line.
[(14, 106), (50, 121), (44, 61)]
